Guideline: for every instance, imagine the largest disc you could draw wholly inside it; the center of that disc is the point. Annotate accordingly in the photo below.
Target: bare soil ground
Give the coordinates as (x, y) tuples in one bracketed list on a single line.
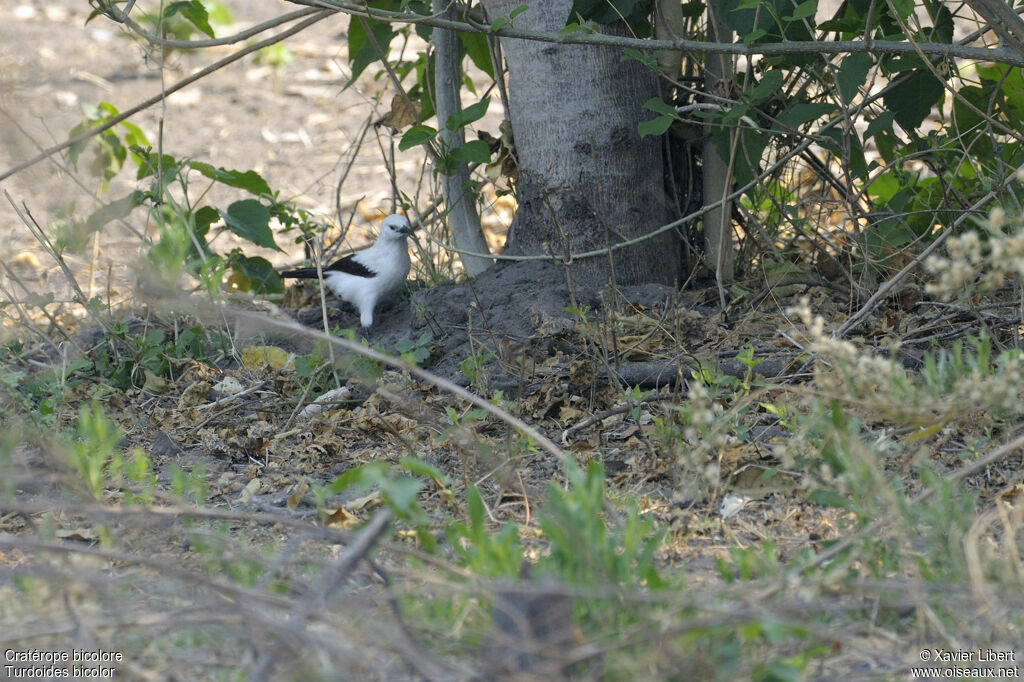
[(262, 462)]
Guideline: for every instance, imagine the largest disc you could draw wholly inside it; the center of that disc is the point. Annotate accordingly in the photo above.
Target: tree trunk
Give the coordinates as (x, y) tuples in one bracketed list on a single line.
[(586, 179)]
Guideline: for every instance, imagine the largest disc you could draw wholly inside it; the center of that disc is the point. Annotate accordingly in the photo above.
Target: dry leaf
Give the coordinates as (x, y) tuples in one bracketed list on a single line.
[(400, 116), (568, 414), (341, 518), (154, 383), (257, 357), (367, 502), (194, 394), (296, 497), (251, 488), (78, 535)]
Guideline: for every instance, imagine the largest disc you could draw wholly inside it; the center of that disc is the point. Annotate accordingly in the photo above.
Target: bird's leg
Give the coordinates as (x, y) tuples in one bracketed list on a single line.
[(364, 334)]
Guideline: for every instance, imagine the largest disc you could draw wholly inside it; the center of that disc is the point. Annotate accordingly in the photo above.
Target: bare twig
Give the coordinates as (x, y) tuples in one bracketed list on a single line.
[(333, 576), (198, 75), (501, 413)]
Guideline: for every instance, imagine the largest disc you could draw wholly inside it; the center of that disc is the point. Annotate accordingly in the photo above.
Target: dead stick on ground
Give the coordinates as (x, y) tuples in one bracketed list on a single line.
[(334, 575), (398, 363)]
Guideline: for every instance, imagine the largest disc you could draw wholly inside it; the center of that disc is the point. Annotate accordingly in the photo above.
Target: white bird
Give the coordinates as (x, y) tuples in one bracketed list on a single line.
[(365, 277)]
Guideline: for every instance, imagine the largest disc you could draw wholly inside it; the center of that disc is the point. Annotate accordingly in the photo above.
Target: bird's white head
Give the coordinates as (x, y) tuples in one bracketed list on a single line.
[(395, 227)]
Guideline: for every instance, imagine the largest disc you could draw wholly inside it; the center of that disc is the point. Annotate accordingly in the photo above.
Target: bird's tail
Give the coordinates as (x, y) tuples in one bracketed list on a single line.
[(300, 273)]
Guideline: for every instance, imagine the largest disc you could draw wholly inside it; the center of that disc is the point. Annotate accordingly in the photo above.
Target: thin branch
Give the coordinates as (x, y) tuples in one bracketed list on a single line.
[(334, 575), (81, 137), (216, 42), (1003, 55), (497, 411)]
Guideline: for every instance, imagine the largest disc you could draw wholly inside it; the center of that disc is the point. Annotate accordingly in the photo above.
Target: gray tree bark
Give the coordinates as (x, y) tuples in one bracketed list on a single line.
[(586, 179)]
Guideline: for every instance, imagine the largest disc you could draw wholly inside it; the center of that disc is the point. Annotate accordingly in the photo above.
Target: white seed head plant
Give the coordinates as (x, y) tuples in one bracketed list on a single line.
[(982, 258)]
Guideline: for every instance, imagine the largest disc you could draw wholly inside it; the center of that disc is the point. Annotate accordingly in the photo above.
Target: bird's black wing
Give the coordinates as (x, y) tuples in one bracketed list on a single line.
[(348, 265)]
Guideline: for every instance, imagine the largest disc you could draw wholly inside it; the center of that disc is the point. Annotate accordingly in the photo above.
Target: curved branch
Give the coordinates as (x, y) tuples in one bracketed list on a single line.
[(81, 137), (1000, 54), (154, 39)]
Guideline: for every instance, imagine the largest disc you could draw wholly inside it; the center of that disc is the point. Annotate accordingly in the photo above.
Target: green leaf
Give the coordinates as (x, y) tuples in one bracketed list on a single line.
[(903, 7), (250, 220), (770, 82), (659, 106), (731, 117), (417, 466), (803, 10), (475, 46), (249, 180), (655, 126), (853, 73), (468, 115), (416, 135), (363, 476), (361, 51), (149, 162), (881, 123), (883, 188), (828, 498), (804, 112), (475, 507), (942, 31), (402, 494), (194, 12), (115, 210), (755, 35), (604, 11), (262, 277), (205, 217), (912, 101), (748, 155), (476, 151)]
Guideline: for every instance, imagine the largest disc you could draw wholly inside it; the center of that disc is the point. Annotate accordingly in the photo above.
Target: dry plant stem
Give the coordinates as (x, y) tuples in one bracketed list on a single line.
[(812, 282), (349, 163), (417, 656), (334, 575), (25, 320), (40, 236), (875, 526), (226, 588), (611, 412), (322, 289), (398, 363), (68, 171), (395, 81), (176, 510), (302, 398), (81, 137), (215, 42), (883, 291), (190, 616)]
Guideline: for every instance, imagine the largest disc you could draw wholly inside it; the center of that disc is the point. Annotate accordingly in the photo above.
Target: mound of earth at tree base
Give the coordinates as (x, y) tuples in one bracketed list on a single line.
[(518, 324)]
